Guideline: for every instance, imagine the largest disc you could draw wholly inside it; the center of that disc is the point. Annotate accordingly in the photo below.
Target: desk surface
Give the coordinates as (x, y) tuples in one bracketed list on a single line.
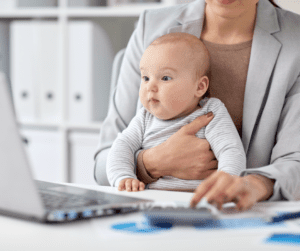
[(92, 235)]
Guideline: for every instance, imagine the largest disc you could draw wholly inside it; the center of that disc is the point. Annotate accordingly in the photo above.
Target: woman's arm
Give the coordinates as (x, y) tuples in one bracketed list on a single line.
[(284, 165), (278, 181), (182, 156)]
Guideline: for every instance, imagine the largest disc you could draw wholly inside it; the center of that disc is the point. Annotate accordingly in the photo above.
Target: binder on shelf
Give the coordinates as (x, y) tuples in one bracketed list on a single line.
[(44, 153), (23, 70), (37, 3), (82, 150), (34, 70), (49, 96), (8, 4), (90, 62)]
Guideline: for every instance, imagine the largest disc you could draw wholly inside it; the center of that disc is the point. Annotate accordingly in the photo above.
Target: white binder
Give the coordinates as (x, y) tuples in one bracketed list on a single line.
[(90, 61), (23, 70), (44, 150), (37, 3), (34, 70), (8, 4), (49, 96)]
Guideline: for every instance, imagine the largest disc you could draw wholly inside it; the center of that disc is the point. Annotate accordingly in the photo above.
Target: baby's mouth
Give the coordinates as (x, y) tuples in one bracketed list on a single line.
[(153, 100)]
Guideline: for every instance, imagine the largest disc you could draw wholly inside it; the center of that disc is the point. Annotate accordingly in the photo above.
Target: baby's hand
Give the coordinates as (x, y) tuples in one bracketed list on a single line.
[(129, 185)]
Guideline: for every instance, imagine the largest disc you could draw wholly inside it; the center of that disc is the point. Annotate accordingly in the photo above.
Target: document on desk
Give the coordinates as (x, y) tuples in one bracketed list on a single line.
[(230, 223)]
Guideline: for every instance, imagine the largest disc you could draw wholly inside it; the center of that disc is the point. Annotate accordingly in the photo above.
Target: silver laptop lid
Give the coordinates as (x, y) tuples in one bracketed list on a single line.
[(17, 188)]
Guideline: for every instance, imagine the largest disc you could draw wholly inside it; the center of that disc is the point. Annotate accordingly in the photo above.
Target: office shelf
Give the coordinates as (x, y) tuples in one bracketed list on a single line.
[(91, 126), (130, 10), (117, 21), (62, 126), (29, 13), (40, 125), (115, 11)]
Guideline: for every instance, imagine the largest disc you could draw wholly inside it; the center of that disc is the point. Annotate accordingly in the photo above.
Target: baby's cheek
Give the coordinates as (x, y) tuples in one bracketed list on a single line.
[(176, 99), (143, 97)]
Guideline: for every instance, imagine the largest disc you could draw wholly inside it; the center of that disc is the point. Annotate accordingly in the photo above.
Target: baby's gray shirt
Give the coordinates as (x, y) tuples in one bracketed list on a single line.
[(146, 131)]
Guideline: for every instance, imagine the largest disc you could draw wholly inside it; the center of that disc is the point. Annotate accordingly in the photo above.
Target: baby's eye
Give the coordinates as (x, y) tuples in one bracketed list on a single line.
[(145, 78), (166, 78)]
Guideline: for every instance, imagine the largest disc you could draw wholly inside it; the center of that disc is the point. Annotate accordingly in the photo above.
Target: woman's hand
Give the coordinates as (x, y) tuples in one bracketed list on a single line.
[(183, 155), (245, 191)]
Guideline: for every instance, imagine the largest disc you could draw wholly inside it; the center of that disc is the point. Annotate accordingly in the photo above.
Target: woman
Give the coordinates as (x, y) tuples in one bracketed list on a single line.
[(255, 57)]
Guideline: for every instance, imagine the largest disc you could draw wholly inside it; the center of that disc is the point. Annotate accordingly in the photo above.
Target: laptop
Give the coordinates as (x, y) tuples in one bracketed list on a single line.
[(24, 197)]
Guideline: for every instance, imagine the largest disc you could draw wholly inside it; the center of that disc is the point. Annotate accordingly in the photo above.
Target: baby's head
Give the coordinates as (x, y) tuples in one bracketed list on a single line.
[(174, 72)]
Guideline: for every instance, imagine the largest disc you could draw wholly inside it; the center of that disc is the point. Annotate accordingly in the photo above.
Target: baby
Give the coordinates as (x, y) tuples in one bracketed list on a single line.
[(173, 92)]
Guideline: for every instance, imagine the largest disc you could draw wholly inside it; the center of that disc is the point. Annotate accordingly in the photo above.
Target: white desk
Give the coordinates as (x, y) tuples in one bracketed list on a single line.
[(86, 235)]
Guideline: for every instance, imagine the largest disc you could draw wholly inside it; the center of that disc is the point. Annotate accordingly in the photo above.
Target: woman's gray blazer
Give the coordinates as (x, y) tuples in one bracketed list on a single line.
[(271, 117)]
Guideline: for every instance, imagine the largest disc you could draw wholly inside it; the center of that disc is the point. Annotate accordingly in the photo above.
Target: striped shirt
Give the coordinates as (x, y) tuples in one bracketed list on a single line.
[(146, 131)]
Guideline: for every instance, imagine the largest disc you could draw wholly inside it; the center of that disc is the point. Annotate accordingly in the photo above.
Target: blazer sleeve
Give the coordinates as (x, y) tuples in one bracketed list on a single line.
[(123, 106), (284, 165)]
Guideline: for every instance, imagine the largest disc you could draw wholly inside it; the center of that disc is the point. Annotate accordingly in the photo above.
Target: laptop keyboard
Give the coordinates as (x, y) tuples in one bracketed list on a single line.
[(53, 201), (68, 203)]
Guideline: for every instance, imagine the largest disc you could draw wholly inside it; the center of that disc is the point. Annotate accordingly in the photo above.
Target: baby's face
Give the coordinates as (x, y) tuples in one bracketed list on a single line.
[(169, 81)]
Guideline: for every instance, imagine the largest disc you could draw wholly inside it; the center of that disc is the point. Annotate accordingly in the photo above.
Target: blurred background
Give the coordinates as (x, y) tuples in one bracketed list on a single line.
[(57, 56)]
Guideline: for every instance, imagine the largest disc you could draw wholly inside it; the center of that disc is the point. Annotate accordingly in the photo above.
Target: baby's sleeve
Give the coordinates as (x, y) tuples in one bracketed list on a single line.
[(224, 139), (120, 161)]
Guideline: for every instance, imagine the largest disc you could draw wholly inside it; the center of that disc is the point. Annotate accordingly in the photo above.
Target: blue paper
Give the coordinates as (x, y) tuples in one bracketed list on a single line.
[(241, 223), (139, 227), (286, 238), (143, 227)]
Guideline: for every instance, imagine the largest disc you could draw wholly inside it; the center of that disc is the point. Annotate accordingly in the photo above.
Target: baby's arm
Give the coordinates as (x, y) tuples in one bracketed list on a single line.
[(120, 161), (224, 139)]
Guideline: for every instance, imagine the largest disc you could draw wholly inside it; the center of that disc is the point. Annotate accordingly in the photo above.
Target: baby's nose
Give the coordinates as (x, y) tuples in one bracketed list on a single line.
[(152, 86)]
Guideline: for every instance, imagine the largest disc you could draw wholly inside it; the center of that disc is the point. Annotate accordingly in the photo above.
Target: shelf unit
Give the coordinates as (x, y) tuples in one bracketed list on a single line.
[(63, 11), (63, 14), (114, 18)]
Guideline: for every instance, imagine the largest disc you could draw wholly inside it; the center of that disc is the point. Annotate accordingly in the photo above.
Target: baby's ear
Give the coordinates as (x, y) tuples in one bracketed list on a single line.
[(202, 86)]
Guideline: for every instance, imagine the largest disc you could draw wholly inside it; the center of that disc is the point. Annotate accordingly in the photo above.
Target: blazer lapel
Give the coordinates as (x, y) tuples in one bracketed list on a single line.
[(190, 19), (264, 45)]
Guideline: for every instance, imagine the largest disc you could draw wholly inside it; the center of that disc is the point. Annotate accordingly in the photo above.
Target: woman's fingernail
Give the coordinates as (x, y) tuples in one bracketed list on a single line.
[(209, 114)]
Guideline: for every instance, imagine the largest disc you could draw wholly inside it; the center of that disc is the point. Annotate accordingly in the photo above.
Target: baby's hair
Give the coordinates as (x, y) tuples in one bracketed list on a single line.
[(198, 51)]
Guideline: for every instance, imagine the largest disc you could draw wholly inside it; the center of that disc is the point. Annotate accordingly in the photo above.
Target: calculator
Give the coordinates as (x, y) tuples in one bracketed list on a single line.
[(166, 214)]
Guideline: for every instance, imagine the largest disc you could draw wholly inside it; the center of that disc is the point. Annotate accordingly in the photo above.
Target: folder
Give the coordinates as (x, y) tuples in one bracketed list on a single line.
[(90, 62), (47, 63), (8, 4), (37, 3), (34, 71), (44, 151), (23, 69)]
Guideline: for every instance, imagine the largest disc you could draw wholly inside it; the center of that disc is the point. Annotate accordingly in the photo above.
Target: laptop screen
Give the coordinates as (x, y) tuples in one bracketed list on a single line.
[(17, 188)]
